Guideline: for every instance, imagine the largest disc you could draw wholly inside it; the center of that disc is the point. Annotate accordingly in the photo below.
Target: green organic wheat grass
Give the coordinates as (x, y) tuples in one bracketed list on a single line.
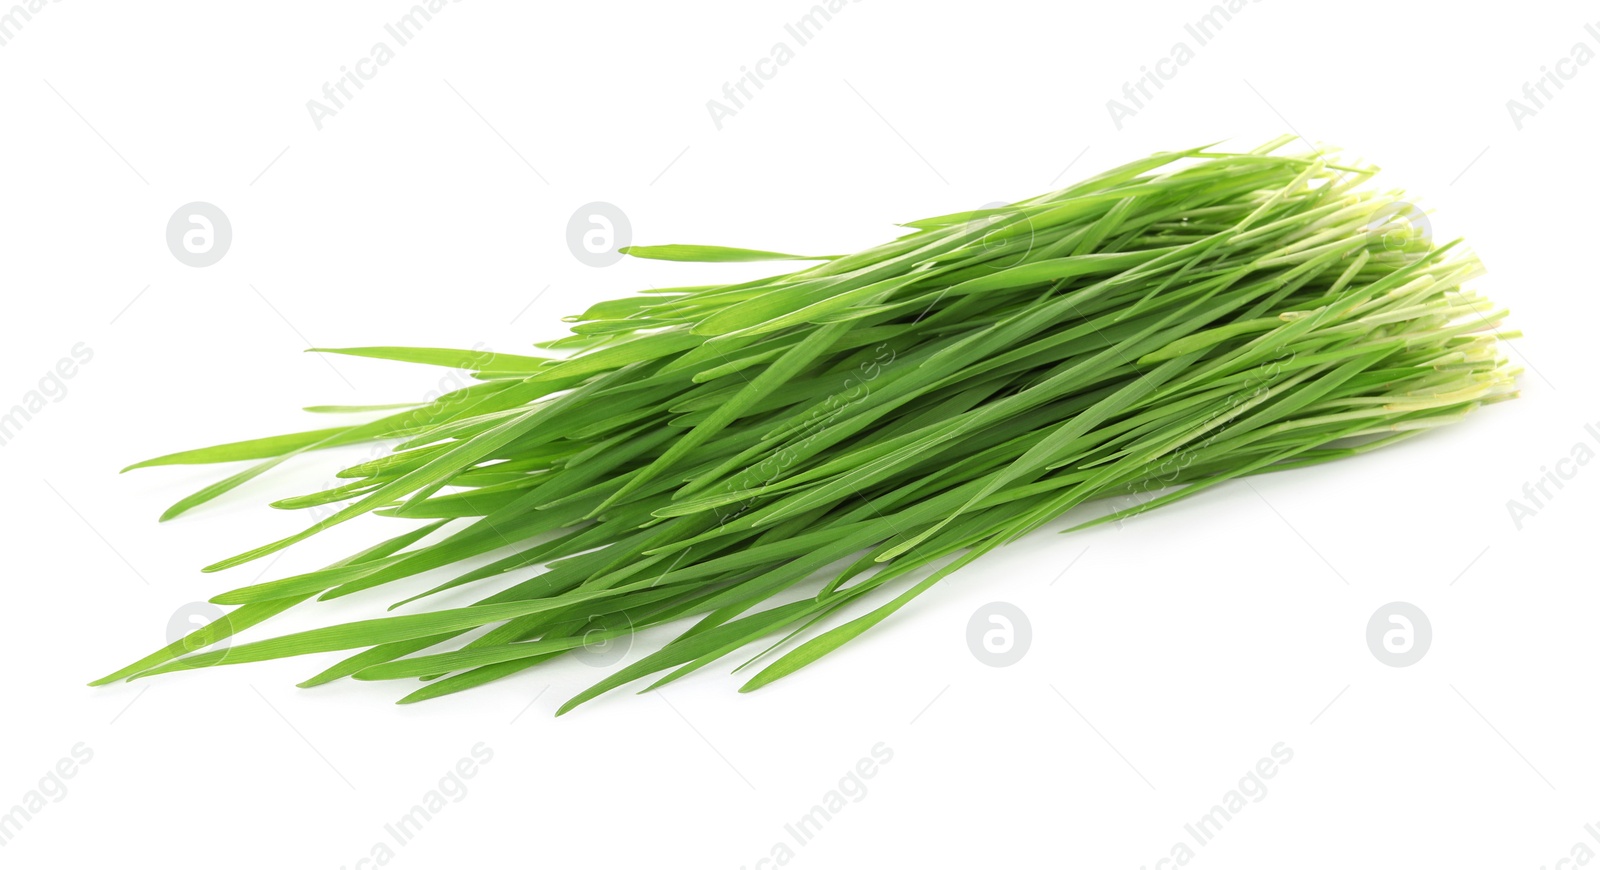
[(748, 460)]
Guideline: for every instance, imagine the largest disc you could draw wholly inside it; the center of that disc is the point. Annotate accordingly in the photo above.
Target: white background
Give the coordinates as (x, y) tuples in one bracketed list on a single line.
[(1177, 650)]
